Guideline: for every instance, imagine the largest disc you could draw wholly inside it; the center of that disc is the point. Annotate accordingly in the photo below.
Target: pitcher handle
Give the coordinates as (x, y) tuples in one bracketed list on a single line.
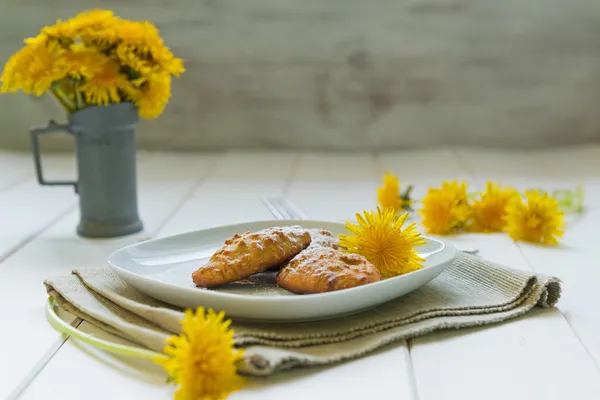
[(34, 133)]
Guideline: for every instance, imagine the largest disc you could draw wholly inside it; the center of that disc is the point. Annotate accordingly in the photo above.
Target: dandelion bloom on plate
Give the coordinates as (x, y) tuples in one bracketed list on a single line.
[(380, 237)]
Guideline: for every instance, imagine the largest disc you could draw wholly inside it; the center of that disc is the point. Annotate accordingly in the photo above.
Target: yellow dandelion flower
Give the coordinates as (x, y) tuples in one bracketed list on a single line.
[(141, 34), (96, 58), (130, 57), (202, 360), (154, 95), (34, 68), (538, 221), (83, 23), (456, 189), (95, 28), (106, 85), (82, 61), (164, 58), (39, 40), (489, 210), (65, 30), (149, 43), (379, 237), (445, 210), (169, 62), (142, 49), (91, 27), (95, 19), (388, 196)]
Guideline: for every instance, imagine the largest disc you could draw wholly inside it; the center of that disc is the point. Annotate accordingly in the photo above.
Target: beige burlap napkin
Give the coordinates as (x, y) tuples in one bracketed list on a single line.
[(470, 292)]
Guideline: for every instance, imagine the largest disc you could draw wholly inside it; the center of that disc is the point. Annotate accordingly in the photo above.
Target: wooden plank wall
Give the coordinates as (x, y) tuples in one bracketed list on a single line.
[(350, 74)]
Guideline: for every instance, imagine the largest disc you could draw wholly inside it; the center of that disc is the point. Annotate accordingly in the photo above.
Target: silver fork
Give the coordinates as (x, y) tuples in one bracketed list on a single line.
[(282, 208)]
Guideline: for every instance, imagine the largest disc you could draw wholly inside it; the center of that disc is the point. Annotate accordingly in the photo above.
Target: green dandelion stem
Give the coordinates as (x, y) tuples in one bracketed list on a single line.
[(63, 98), (63, 327)]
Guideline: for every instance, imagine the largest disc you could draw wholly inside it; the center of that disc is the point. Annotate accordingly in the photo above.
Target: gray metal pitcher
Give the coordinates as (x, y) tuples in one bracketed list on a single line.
[(106, 168)]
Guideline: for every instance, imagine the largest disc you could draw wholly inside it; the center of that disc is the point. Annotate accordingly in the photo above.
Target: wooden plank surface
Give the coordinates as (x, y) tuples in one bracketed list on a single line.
[(537, 356), (542, 355), (575, 262), (38, 206), (213, 204), (58, 250), (17, 168)]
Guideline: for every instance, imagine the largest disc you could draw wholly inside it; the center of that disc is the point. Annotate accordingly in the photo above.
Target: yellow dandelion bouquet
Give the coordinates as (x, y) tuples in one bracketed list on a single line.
[(534, 216), (106, 73), (93, 59)]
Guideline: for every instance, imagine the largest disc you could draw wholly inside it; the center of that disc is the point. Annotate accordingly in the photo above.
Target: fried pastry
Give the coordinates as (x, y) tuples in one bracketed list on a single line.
[(319, 238), (323, 269), (323, 238), (251, 253)]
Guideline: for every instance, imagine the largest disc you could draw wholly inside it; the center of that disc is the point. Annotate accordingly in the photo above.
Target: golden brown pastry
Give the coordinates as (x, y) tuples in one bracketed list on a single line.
[(323, 269), (251, 253), (323, 238), (318, 238)]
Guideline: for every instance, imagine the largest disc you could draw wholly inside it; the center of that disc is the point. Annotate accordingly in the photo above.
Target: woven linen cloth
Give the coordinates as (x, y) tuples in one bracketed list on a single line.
[(470, 292)]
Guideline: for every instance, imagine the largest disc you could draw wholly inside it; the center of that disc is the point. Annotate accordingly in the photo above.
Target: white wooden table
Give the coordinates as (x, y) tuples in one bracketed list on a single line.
[(549, 354)]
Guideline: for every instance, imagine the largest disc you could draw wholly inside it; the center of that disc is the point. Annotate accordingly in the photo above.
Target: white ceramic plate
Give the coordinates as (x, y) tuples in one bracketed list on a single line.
[(162, 268)]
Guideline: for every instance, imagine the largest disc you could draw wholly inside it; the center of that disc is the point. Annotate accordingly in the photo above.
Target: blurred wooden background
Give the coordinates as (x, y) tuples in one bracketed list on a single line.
[(350, 74)]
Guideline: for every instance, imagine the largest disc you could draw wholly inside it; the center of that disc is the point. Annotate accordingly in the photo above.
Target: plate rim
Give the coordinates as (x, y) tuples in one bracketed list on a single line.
[(446, 247)]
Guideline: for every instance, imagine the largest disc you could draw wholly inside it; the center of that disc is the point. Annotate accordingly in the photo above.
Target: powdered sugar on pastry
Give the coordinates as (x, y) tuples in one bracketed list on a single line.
[(251, 253), (323, 238), (323, 269)]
